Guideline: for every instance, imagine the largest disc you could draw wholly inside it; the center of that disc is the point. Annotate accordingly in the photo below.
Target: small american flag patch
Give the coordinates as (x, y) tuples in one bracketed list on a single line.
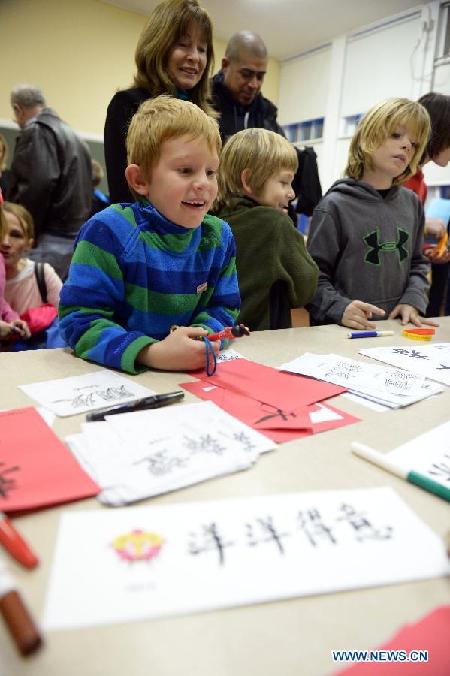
[(202, 287)]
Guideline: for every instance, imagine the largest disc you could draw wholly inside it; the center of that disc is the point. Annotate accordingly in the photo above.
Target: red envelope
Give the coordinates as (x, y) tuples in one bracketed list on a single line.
[(287, 391), (36, 468), (252, 413)]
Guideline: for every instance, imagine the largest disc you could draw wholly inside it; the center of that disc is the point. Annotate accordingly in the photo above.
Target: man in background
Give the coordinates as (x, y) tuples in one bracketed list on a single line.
[(237, 97), (51, 176)]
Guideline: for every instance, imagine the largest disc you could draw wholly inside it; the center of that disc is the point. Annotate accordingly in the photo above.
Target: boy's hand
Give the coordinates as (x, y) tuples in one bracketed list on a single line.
[(409, 314), (178, 351), (357, 314)]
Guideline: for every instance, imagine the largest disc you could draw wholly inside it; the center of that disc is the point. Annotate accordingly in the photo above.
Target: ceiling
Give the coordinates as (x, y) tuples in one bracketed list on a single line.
[(288, 27)]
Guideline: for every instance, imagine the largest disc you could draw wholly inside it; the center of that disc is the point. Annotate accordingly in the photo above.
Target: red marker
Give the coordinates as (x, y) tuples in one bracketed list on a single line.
[(18, 620), (229, 333), (15, 544)]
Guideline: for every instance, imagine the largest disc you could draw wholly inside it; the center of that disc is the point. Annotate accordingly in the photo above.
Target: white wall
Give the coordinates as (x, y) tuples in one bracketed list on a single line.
[(302, 95), (395, 57), (379, 65)]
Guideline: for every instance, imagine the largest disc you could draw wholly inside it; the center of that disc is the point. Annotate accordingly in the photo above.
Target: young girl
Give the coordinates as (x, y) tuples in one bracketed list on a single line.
[(174, 55), (10, 323), (366, 234), (438, 151), (275, 272), (22, 290)]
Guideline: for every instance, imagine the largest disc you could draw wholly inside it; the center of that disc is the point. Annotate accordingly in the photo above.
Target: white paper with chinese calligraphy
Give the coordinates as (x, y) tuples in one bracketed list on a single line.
[(78, 394), (432, 361), (137, 455), (136, 563), (388, 386), (428, 454)]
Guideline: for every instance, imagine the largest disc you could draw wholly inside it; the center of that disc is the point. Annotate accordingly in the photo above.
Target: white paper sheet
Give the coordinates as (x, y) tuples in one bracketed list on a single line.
[(387, 386), (431, 361), (368, 403), (229, 355), (137, 455), (78, 394), (427, 454), (136, 563)]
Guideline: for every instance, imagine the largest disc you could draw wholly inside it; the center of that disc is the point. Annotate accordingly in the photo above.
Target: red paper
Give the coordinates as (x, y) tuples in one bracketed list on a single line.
[(431, 633), (36, 468), (282, 390), (250, 411)]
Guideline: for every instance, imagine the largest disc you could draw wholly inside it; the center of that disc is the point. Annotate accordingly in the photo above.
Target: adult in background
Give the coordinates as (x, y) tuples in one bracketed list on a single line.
[(4, 172), (174, 55), (50, 176), (237, 97)]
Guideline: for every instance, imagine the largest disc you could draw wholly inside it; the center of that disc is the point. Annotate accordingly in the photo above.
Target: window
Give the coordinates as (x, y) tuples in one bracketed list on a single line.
[(349, 124), (308, 130)]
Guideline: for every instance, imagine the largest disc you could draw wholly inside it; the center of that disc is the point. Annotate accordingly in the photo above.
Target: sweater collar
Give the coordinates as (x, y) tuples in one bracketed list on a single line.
[(171, 236)]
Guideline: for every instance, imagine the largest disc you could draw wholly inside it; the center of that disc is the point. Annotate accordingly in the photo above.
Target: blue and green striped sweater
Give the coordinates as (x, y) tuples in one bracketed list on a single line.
[(134, 274)]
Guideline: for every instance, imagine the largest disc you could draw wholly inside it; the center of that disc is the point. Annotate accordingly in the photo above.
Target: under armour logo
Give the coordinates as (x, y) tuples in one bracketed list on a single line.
[(373, 241)]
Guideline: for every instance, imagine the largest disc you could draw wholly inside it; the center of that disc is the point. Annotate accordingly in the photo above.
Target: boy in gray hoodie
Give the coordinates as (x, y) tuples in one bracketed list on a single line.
[(366, 234)]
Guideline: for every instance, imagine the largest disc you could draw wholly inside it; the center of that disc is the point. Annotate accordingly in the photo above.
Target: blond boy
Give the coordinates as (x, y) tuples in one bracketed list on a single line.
[(138, 269), (275, 272)]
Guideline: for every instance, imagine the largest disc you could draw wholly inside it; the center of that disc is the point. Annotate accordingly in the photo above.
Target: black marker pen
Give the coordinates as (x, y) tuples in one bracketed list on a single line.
[(156, 401)]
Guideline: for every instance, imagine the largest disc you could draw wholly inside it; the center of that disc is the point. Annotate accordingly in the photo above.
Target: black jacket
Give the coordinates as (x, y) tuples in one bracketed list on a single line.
[(121, 109), (262, 113), (51, 175)]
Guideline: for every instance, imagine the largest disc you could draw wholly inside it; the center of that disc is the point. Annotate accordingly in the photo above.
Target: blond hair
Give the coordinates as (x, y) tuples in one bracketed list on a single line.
[(263, 152), (164, 118), (23, 216), (170, 21), (377, 125)]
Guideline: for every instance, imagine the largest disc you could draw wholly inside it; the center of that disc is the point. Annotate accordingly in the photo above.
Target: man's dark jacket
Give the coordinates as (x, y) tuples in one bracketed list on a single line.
[(262, 113), (51, 175)]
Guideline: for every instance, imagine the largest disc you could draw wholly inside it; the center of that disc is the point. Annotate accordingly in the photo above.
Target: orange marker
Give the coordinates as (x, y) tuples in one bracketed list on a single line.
[(14, 543)]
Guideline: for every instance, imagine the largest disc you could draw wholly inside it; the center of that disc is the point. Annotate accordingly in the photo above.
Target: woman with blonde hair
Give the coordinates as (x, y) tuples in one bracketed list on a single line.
[(174, 55)]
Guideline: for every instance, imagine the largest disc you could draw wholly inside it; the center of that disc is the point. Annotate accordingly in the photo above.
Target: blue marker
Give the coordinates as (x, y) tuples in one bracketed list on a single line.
[(369, 334)]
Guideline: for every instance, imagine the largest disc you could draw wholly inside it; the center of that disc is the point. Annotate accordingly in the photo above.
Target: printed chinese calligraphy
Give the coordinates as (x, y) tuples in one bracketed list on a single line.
[(171, 448), (428, 454), (190, 557), (77, 394), (380, 384), (430, 361)]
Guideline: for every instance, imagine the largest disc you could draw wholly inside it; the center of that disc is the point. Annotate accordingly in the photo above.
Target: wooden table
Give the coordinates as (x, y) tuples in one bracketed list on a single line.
[(286, 638)]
